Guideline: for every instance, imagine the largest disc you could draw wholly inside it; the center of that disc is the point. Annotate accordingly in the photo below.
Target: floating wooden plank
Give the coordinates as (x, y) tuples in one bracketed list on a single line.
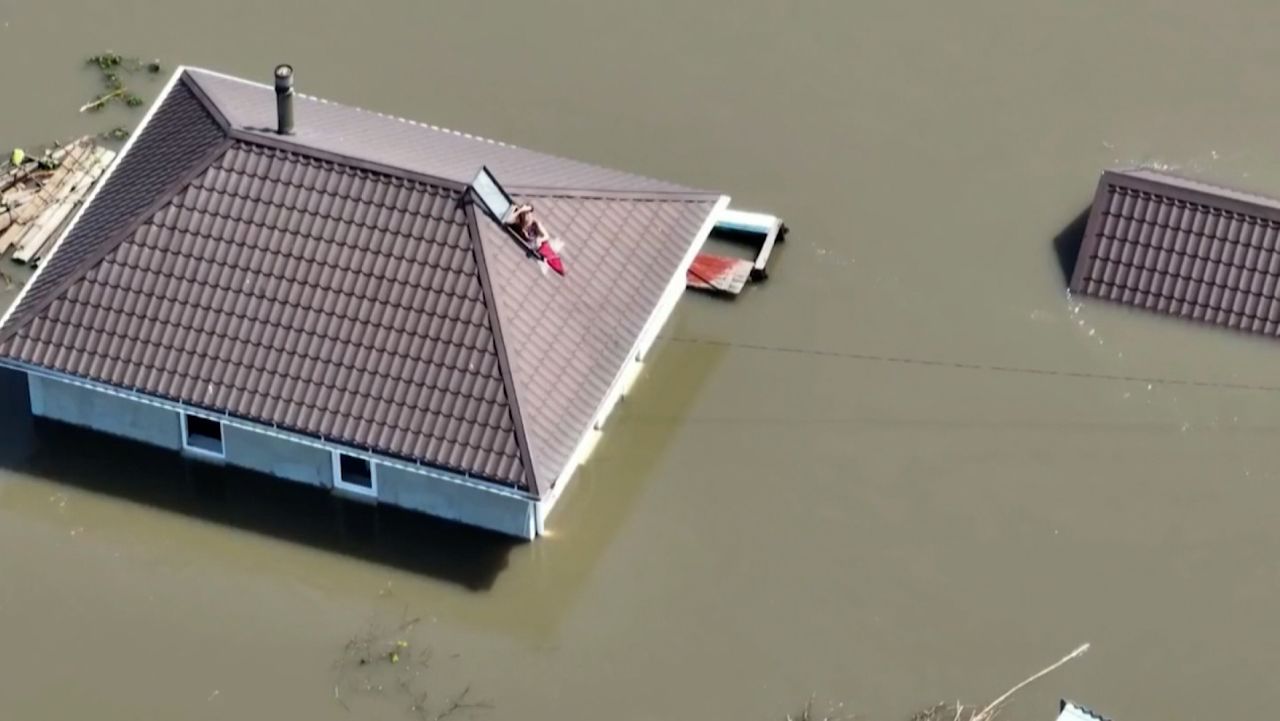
[(39, 233), (10, 235), (51, 189), (18, 198), (30, 204), (718, 273), (31, 170), (102, 160), (59, 224), (35, 229)]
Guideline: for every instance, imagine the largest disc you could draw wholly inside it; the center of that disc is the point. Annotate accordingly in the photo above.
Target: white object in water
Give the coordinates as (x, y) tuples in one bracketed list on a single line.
[(1068, 711), (746, 222)]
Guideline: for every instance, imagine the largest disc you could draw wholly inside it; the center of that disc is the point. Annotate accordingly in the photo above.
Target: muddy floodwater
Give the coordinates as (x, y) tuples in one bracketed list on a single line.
[(792, 503)]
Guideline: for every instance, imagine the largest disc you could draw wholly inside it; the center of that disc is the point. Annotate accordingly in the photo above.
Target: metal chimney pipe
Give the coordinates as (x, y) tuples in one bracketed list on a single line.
[(284, 99)]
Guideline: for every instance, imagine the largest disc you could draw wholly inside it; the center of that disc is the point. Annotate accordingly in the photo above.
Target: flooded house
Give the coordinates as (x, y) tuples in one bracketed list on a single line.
[(1183, 247), (396, 312)]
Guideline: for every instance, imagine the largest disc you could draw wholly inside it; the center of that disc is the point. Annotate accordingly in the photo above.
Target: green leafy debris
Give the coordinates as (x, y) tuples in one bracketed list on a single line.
[(114, 68)]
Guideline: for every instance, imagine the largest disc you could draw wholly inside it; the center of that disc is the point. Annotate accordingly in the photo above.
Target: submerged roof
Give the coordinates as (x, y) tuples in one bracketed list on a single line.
[(1183, 247), (340, 283)]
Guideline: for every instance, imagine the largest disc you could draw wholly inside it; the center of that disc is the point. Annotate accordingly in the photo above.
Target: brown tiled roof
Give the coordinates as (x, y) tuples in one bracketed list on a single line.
[(1183, 247), (570, 336), (353, 299)]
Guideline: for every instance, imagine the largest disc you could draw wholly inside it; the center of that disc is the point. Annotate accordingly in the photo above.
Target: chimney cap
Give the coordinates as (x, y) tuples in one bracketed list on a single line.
[(284, 99)]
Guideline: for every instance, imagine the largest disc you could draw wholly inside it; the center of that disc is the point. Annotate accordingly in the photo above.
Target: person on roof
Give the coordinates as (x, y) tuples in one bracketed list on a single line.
[(535, 234), (529, 227)]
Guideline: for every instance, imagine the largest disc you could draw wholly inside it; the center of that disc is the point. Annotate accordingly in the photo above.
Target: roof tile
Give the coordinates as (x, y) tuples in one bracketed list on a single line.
[(1183, 247)]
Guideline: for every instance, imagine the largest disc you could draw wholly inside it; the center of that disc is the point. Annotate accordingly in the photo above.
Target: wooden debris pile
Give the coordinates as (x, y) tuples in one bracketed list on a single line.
[(38, 195)]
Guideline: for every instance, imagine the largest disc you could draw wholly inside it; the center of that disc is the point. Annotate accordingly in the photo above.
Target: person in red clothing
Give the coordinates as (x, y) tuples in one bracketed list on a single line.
[(529, 227), (535, 234)]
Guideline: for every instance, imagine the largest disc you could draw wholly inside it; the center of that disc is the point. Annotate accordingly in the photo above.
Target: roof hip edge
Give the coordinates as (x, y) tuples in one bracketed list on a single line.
[(190, 83), (278, 142), (535, 484)]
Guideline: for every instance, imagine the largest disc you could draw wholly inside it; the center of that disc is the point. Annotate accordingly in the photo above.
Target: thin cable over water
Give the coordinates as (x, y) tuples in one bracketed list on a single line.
[(905, 360)]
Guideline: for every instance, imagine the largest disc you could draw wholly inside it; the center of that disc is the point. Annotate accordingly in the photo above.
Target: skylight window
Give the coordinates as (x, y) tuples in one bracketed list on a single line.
[(491, 195), (519, 221)]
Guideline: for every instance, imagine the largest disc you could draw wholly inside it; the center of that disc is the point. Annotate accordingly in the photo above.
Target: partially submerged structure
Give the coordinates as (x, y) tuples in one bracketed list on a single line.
[(729, 275), (338, 298), (1068, 711), (1184, 248)]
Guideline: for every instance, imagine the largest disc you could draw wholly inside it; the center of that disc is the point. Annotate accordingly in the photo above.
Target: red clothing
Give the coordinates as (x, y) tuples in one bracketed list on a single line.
[(552, 258)]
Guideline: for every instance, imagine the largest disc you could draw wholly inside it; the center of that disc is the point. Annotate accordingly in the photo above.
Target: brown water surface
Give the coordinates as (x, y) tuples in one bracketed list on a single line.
[(760, 524)]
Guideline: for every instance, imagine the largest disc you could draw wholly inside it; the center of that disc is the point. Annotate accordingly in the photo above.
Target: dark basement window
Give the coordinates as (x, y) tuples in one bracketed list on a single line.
[(204, 435), (354, 471)]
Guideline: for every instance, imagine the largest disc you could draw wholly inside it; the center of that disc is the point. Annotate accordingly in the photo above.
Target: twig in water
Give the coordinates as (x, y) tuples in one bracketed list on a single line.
[(985, 714), (806, 713), (460, 703), (407, 623), (833, 713), (419, 707), (423, 658), (101, 101)]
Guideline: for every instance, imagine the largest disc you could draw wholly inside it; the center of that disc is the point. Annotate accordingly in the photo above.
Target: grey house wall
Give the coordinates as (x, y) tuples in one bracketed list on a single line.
[(499, 512), (102, 412), (279, 457), (294, 458)]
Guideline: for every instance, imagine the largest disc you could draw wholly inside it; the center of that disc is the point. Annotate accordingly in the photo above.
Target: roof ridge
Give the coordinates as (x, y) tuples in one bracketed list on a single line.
[(532, 480), (1193, 184), (435, 128), (326, 101), (652, 196), (287, 144), (1189, 190)]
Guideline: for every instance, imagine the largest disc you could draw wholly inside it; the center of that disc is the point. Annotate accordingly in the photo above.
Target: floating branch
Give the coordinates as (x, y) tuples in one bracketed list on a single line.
[(955, 710), (101, 101), (108, 62), (986, 713), (392, 660), (113, 67)]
